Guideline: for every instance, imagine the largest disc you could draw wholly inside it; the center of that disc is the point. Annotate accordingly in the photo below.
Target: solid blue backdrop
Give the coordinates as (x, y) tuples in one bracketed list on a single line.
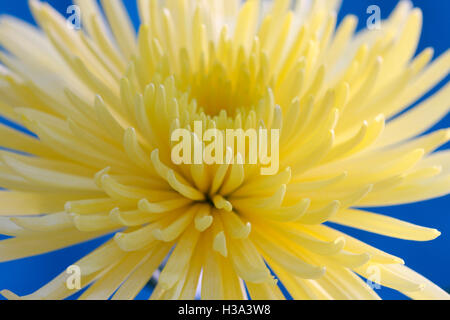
[(431, 259)]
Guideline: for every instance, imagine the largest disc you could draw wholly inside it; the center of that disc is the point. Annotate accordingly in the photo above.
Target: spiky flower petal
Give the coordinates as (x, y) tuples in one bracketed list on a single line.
[(104, 103)]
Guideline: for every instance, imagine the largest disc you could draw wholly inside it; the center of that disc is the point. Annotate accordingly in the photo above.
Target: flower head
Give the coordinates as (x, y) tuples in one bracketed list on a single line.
[(104, 103)]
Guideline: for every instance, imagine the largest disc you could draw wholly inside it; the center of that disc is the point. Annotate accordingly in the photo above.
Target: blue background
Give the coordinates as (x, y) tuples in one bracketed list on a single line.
[(431, 259)]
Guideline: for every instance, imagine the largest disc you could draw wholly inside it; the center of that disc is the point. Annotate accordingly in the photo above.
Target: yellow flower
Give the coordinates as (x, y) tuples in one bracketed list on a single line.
[(104, 103)]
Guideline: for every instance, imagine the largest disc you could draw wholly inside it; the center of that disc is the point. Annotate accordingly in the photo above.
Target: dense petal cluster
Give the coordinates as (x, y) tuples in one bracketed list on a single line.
[(104, 101)]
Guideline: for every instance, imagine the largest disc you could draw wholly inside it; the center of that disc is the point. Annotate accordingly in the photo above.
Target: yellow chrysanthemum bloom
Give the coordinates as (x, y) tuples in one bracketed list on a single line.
[(104, 103)]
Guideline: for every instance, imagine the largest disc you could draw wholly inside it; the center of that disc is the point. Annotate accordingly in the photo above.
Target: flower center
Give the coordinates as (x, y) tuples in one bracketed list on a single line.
[(222, 89)]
